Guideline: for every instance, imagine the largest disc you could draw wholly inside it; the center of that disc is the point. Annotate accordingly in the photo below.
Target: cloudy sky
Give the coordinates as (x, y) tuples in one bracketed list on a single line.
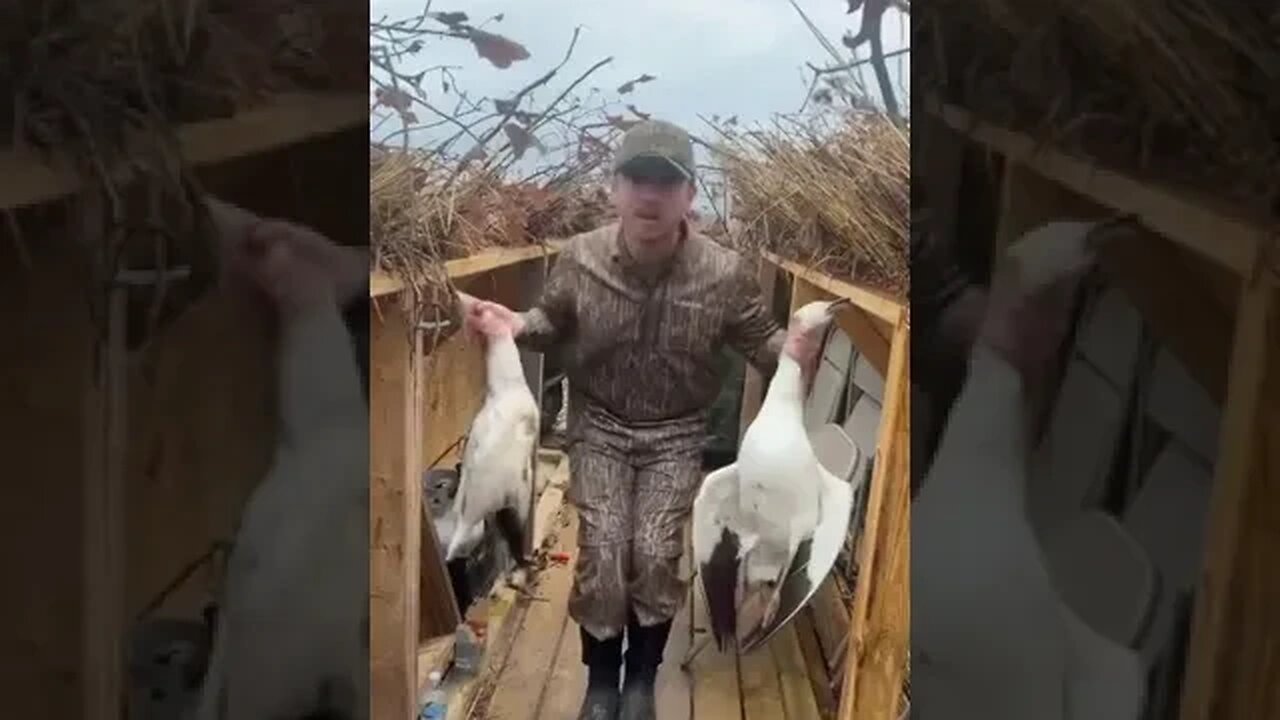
[(725, 57)]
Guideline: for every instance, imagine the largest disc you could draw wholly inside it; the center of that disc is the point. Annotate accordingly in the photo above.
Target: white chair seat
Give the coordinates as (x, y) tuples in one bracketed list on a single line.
[(829, 383), (1176, 402), (1103, 575), (1070, 468)]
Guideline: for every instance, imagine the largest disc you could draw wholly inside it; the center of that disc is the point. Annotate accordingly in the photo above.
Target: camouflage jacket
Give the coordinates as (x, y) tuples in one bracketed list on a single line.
[(643, 347)]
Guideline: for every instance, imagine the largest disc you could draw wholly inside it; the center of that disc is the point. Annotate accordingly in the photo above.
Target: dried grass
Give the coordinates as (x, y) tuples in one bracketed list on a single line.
[(831, 192), (1183, 91), (424, 212), (85, 77)]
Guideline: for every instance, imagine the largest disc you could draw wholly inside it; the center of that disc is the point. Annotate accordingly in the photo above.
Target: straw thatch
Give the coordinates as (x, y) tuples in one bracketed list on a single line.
[(832, 193), (1180, 91), (424, 212), (82, 77)]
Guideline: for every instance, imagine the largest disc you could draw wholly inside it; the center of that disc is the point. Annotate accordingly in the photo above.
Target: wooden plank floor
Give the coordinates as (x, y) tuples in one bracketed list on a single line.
[(542, 677)]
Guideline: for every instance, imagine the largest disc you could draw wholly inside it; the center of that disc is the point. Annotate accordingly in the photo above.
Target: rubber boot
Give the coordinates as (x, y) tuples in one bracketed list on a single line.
[(603, 659), (645, 647)]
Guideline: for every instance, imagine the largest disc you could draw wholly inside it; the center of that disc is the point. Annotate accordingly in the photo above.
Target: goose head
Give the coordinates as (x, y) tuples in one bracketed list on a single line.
[(1029, 309), (806, 329)]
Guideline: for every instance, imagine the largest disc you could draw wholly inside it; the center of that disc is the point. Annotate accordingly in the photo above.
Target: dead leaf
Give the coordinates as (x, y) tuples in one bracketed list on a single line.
[(475, 153), (630, 85), (394, 98), (452, 19), (506, 107), (498, 50), (733, 120), (637, 113), (409, 117), (521, 139), (822, 96)]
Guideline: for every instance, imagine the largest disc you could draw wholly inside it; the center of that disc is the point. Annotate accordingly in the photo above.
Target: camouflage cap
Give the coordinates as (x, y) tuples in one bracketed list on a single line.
[(656, 139)]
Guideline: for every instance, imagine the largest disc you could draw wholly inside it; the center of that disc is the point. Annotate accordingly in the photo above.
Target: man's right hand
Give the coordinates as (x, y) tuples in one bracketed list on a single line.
[(479, 315)]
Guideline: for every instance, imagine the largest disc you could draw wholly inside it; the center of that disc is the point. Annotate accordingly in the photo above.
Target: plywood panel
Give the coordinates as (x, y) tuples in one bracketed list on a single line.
[(798, 699), (44, 362), (1235, 631), (880, 620), (716, 693), (761, 687), (395, 507), (197, 449), (568, 680)]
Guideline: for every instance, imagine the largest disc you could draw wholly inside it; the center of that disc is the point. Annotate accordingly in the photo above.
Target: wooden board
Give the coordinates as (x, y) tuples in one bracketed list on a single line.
[(524, 681), (380, 283), (1230, 670), (1170, 289), (567, 681), (875, 303), (1220, 234), (104, 565), (760, 685), (820, 678), (434, 655), (794, 683), (26, 178), (880, 620), (829, 613), (395, 507), (716, 693)]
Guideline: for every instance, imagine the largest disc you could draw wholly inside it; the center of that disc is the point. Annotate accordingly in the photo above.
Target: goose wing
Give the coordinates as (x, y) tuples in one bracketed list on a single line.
[(817, 548), (716, 549)]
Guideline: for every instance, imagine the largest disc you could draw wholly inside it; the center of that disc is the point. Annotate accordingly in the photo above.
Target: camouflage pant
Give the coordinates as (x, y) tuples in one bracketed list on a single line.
[(633, 487)]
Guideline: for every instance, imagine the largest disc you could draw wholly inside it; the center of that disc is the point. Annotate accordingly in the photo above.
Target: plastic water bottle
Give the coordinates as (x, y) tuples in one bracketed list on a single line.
[(436, 707), (468, 654)]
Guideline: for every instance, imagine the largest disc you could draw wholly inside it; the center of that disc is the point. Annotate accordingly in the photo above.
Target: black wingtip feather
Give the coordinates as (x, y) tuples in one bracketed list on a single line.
[(720, 584)]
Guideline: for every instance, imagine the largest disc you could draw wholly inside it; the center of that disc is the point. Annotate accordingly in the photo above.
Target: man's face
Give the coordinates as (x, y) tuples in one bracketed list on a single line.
[(651, 198)]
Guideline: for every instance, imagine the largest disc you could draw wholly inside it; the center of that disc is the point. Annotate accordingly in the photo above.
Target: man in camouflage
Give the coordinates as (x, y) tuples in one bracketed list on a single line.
[(639, 310)]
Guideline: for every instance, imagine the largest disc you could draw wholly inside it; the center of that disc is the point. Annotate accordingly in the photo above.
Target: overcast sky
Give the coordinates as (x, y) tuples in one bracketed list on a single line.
[(725, 57)]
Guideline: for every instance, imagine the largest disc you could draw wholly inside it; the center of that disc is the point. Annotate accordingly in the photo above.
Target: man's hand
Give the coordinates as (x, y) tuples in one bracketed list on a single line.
[(247, 244), (485, 318)]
